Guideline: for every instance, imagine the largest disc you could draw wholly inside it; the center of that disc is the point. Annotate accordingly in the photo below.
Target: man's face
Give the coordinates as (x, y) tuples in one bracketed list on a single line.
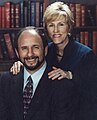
[(30, 50)]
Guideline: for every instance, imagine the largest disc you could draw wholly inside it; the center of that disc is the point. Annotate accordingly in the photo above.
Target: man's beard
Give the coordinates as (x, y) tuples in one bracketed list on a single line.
[(38, 64)]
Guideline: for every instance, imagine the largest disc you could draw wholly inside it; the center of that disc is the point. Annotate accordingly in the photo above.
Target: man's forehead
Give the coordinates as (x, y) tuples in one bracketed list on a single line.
[(32, 31)]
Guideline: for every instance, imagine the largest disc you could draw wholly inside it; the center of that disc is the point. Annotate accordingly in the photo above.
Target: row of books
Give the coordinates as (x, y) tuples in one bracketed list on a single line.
[(84, 15), (7, 51), (24, 13), (30, 12), (87, 38), (7, 39)]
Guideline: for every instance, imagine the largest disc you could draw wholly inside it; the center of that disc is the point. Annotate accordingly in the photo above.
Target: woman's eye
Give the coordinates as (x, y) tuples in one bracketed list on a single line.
[(62, 24), (50, 25)]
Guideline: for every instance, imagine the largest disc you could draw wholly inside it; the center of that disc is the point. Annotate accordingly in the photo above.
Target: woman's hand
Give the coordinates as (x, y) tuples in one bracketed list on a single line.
[(15, 69), (59, 74)]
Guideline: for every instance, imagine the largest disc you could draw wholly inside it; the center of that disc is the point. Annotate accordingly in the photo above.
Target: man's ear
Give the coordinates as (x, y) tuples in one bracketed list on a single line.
[(16, 52), (46, 50)]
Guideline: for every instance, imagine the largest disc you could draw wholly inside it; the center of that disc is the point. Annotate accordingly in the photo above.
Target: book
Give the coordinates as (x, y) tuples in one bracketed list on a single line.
[(25, 13), (3, 48), (37, 13), (0, 16), (12, 22), (72, 8), (90, 15), (82, 37), (96, 15), (7, 6), (1, 55), (21, 13), (9, 46), (33, 13), (83, 15), (46, 3), (41, 11), (86, 38), (94, 42), (77, 37), (78, 15), (13, 38), (3, 17), (29, 5), (90, 39), (17, 15)]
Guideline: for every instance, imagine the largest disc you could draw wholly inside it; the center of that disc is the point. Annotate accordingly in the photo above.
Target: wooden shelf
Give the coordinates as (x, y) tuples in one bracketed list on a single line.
[(89, 28), (85, 28)]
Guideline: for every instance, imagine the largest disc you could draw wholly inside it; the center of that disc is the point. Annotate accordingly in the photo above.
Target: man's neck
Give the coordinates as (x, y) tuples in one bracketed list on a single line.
[(33, 71)]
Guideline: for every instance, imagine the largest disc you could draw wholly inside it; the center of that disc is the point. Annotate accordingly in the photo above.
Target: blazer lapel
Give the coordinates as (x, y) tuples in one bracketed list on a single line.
[(17, 93), (42, 91)]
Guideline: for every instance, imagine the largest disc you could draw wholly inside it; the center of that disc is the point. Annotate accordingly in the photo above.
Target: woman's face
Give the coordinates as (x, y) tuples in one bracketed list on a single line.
[(58, 30)]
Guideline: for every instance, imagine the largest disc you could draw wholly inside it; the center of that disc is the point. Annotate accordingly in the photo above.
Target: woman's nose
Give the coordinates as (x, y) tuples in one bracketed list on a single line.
[(56, 29)]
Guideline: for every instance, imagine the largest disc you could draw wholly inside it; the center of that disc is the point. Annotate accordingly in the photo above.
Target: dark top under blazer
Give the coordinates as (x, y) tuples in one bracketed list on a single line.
[(53, 100)]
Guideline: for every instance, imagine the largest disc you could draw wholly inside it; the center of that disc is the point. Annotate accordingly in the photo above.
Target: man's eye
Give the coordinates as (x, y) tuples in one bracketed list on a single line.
[(24, 48), (36, 47)]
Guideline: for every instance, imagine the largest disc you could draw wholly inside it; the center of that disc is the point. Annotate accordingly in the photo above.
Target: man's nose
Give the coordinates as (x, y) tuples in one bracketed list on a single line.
[(30, 52)]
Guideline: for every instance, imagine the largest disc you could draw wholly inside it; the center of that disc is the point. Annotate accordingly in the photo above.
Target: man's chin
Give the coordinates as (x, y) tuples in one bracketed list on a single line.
[(33, 65), (30, 67)]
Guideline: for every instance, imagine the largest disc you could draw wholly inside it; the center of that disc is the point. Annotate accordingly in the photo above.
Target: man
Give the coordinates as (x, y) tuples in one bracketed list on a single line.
[(47, 99)]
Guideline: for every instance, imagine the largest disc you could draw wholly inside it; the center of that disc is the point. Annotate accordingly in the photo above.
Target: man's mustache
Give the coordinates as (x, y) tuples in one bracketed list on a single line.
[(32, 57)]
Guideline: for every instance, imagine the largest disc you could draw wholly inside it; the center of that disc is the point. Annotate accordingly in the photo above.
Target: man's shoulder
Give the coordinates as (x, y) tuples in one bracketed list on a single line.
[(7, 75)]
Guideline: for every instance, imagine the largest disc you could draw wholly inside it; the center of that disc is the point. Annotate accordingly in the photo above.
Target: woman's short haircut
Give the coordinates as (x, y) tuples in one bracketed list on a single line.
[(55, 11)]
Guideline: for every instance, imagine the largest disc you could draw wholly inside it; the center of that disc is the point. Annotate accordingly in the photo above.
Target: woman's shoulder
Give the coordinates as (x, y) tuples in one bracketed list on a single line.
[(81, 47)]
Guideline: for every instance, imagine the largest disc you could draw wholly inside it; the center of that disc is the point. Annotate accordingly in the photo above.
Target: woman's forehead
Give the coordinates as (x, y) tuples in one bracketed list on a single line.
[(57, 18)]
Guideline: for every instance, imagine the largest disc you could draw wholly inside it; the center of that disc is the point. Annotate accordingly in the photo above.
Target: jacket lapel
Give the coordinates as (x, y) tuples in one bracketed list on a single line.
[(42, 91)]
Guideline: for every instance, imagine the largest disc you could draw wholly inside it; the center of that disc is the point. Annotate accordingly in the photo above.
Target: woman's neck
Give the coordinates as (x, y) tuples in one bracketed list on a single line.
[(60, 47)]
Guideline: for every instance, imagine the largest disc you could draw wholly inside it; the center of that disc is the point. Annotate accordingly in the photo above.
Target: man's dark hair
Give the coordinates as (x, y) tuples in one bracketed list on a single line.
[(40, 31)]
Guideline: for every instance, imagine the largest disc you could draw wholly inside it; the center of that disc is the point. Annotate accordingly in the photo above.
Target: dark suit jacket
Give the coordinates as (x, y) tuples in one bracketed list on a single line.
[(53, 100)]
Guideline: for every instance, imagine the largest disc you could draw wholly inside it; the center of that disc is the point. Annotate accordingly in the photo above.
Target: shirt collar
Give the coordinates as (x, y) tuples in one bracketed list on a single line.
[(35, 76)]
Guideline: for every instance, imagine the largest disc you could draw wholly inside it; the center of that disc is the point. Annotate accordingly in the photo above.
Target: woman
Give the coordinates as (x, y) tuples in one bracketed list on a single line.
[(64, 52)]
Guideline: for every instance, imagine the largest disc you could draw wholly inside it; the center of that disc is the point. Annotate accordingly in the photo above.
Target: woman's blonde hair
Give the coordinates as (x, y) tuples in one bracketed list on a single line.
[(55, 11)]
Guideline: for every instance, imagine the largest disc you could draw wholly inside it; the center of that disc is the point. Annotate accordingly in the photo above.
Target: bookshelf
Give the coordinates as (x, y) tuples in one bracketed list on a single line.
[(80, 31), (5, 60)]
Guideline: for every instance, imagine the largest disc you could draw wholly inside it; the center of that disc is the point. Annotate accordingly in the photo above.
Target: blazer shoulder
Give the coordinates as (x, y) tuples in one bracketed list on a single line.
[(82, 49), (5, 74)]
